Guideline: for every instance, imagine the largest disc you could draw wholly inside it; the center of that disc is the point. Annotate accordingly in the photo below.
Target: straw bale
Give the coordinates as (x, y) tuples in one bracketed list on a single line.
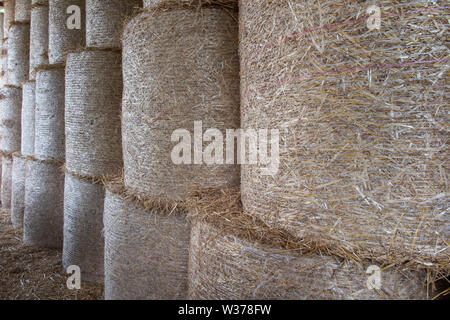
[(38, 38), (234, 256), (105, 19), (44, 205), (22, 11), (62, 39), (18, 190), (28, 108), (189, 74), (146, 251), (8, 16), (152, 4), (83, 226), (10, 114), (49, 113), (6, 181), (18, 53), (362, 118), (92, 115)]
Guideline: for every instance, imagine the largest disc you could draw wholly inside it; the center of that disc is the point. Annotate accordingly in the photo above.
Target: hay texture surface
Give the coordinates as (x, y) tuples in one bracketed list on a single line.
[(44, 205), (363, 123), (190, 74), (83, 227), (18, 53), (22, 12), (235, 256), (28, 109), (6, 181), (61, 38), (2, 19), (105, 20), (93, 108), (49, 114), (18, 191), (146, 251), (8, 16), (38, 38), (10, 115), (152, 4)]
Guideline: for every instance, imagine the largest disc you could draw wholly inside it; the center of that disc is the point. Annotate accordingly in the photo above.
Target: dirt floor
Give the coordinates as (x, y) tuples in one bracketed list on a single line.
[(31, 273)]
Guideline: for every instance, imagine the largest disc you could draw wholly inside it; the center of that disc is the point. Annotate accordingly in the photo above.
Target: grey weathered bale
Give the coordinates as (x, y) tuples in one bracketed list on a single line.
[(28, 109), (10, 114), (6, 181), (83, 227), (8, 16), (200, 47), (38, 38), (105, 20), (61, 38), (44, 205), (92, 112), (146, 252), (224, 266), (3, 67), (22, 11), (49, 113), (2, 19), (18, 191), (18, 53)]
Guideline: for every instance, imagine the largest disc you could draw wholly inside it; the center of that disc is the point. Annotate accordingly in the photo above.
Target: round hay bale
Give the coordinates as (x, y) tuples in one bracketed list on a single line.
[(1, 25), (44, 205), (105, 19), (61, 38), (18, 53), (8, 16), (190, 74), (150, 4), (226, 267), (38, 38), (49, 113), (22, 12), (18, 191), (92, 114), (235, 256), (83, 227), (28, 109), (361, 120), (6, 181), (156, 242), (10, 114)]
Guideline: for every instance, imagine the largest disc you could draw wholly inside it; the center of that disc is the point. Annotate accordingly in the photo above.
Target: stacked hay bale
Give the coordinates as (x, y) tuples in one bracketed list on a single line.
[(44, 186), (9, 8), (38, 36), (18, 52), (361, 160), (61, 38), (10, 107), (144, 218), (93, 134), (22, 11)]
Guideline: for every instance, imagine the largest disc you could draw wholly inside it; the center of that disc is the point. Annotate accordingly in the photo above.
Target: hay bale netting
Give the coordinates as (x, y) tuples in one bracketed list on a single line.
[(235, 256), (201, 49), (28, 108), (6, 181), (38, 37), (61, 38), (22, 12), (83, 227), (10, 115), (92, 114), (8, 16), (362, 156), (146, 251), (44, 204), (49, 113), (18, 190), (105, 19), (18, 53)]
